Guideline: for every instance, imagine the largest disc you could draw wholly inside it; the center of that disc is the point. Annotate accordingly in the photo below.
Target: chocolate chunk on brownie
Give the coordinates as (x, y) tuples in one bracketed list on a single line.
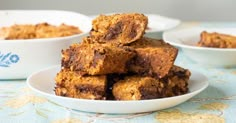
[(71, 84), (96, 59), (118, 28), (139, 88), (154, 57)]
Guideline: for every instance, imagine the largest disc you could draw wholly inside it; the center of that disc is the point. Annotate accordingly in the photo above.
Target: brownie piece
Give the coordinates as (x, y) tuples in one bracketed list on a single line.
[(176, 81), (154, 57), (217, 40), (140, 88), (118, 28), (71, 84), (111, 80), (96, 59), (137, 88)]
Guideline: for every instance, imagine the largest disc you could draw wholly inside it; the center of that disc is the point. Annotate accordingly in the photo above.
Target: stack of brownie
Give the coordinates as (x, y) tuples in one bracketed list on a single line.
[(117, 62)]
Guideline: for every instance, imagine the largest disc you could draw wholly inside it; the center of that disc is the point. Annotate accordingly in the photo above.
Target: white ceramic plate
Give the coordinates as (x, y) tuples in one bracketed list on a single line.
[(156, 24), (42, 82), (186, 39)]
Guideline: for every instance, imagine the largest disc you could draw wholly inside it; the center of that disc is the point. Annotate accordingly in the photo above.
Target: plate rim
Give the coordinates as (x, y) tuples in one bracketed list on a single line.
[(206, 84)]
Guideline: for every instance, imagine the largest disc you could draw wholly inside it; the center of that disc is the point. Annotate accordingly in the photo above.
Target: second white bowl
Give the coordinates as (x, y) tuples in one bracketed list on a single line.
[(186, 39)]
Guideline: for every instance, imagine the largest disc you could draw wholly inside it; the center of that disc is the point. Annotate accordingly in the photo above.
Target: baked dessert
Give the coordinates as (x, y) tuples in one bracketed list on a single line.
[(176, 81), (71, 84), (96, 59), (26, 31), (118, 28), (217, 40), (45, 30), (154, 57), (137, 88), (140, 88), (41, 30), (117, 63)]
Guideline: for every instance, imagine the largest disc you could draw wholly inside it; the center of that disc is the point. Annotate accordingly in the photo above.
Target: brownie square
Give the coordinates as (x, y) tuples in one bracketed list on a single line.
[(118, 28), (139, 88), (154, 57), (71, 84), (96, 59)]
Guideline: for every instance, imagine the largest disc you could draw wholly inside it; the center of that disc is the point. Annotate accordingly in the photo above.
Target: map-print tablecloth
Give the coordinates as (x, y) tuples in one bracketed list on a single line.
[(216, 104)]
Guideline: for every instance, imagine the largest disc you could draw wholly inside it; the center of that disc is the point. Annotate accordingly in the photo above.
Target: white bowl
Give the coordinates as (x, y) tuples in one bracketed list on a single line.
[(157, 24), (19, 58), (186, 39), (42, 82)]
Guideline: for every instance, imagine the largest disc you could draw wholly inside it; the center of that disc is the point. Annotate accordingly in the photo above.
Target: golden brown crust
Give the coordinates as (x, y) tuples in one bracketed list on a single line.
[(154, 57), (138, 88), (45, 30), (119, 28), (26, 31), (71, 84), (217, 40), (41, 30)]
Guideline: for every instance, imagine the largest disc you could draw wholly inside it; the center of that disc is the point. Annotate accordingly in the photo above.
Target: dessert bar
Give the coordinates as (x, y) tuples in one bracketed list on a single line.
[(118, 28), (96, 59), (154, 57), (217, 40), (140, 88), (71, 84)]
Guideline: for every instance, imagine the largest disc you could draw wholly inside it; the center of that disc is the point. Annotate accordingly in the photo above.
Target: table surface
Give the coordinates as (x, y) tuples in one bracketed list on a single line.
[(216, 104)]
